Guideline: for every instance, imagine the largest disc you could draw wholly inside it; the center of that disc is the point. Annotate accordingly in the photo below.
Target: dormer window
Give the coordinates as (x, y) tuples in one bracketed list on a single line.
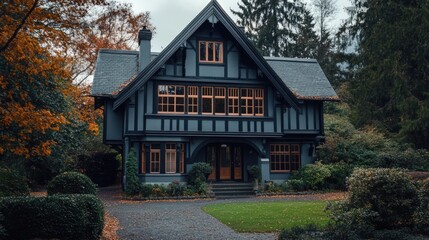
[(211, 52)]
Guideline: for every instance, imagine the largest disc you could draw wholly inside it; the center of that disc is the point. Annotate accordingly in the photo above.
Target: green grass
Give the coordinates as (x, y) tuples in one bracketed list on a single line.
[(269, 216)]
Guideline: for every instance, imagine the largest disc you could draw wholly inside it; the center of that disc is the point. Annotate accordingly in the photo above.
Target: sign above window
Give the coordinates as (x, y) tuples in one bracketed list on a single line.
[(211, 52)]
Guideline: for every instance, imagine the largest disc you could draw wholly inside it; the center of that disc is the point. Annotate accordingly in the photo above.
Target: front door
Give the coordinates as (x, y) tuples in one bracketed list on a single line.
[(226, 161)]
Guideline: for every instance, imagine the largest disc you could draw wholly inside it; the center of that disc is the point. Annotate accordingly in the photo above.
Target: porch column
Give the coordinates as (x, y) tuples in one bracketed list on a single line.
[(265, 169)]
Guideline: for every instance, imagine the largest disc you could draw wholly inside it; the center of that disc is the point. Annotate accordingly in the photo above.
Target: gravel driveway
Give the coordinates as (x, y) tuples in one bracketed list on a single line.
[(170, 220)]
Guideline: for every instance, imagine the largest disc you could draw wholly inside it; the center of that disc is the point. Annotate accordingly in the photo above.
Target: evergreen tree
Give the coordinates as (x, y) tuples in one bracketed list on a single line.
[(390, 89), (306, 39), (132, 182), (271, 24)]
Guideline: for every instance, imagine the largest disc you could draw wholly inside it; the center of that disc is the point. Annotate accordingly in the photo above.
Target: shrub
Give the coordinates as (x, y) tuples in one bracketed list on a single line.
[(71, 183), (307, 232), (254, 172), (199, 173), (296, 184), (146, 190), (12, 183), (2, 230), (421, 216), (339, 173), (410, 159), (132, 181), (378, 199), (59, 216), (176, 189), (313, 175), (100, 167)]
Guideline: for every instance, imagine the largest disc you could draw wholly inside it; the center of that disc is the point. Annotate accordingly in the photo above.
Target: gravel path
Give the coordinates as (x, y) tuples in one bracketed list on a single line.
[(170, 220)]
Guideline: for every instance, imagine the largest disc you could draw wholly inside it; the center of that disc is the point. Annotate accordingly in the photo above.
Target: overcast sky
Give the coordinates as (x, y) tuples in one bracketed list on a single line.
[(171, 16)]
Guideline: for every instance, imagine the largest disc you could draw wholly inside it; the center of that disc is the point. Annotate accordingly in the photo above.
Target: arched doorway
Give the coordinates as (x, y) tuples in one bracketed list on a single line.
[(229, 159)]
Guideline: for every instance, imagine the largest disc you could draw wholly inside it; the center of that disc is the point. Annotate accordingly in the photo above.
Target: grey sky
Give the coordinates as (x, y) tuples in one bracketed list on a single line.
[(171, 16)]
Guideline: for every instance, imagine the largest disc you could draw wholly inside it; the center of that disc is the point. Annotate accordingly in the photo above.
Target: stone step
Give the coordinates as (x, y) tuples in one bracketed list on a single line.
[(232, 189)]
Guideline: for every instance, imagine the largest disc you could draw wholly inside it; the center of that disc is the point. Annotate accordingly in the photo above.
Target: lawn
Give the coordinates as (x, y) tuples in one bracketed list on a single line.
[(269, 216)]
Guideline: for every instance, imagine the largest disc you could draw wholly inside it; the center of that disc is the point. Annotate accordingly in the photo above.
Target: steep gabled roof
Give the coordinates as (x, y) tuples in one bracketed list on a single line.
[(113, 69), (213, 8), (304, 77)]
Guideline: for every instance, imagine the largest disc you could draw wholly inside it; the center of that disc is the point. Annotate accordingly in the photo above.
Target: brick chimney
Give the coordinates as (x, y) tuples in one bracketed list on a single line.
[(145, 35)]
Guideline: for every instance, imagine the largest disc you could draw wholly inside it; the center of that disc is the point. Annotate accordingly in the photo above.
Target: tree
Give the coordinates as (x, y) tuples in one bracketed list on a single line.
[(271, 24), (44, 117), (113, 26), (306, 38), (390, 89)]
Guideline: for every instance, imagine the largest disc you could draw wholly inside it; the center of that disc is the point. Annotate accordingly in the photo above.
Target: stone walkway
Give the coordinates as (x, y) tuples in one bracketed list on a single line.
[(170, 220)]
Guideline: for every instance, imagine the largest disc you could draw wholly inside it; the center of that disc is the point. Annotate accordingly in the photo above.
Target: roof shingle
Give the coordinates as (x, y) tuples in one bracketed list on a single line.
[(304, 77)]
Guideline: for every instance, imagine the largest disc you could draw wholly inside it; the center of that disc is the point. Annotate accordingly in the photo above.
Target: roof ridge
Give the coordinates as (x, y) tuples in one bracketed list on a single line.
[(289, 59), (117, 51)]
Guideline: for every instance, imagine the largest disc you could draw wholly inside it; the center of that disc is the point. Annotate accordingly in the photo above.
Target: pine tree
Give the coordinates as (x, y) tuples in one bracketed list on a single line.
[(306, 39), (391, 87), (271, 24)]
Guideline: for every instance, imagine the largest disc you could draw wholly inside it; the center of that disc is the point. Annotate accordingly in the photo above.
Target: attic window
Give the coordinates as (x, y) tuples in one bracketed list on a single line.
[(211, 52)]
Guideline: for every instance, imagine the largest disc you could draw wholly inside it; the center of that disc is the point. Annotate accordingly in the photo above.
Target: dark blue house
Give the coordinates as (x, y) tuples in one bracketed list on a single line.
[(210, 96)]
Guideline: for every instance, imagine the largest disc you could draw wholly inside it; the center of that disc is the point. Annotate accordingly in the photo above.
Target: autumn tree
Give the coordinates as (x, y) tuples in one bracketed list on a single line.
[(42, 113)]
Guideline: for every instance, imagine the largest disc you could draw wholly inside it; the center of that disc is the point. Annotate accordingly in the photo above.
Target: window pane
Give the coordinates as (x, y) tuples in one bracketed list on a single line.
[(180, 90), (219, 105), (218, 54), (203, 51), (207, 105), (210, 51)]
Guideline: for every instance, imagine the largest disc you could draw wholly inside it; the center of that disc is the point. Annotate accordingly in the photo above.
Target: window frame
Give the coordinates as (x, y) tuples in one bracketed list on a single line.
[(170, 162), (193, 94), (174, 96), (206, 95), (219, 93), (281, 157), (155, 151), (206, 56)]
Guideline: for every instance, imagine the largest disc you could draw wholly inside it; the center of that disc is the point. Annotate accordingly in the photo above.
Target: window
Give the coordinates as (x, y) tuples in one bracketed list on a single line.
[(182, 158), (211, 52), (193, 100), (155, 160), (259, 102), (170, 158), (214, 100), (219, 98), (233, 101), (207, 100), (284, 157), (171, 99), (246, 101)]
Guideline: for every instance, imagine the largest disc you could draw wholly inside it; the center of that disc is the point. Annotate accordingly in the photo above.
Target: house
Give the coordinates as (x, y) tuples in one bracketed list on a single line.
[(210, 96)]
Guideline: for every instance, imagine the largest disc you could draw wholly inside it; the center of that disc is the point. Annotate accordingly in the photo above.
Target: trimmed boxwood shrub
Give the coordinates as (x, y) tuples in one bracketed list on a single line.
[(71, 183), (12, 183), (76, 216)]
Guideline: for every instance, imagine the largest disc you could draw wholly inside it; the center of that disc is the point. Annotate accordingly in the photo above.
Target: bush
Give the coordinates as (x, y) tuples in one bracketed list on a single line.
[(313, 175), (307, 232), (410, 159), (100, 167), (421, 216), (12, 183), (296, 184), (146, 190), (60, 216), (339, 173), (2, 230), (254, 172), (71, 183), (175, 189), (197, 177), (159, 191), (378, 199), (132, 181)]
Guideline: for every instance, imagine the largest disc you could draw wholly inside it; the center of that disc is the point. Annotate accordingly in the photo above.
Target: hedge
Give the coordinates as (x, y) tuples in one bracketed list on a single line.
[(71, 183), (76, 216), (12, 183)]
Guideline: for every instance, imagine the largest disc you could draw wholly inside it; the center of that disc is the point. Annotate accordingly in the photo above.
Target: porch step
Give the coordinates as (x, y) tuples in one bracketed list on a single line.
[(232, 189)]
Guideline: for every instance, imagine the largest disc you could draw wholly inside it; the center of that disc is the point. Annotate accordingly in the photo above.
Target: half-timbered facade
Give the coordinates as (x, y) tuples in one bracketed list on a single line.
[(210, 96)]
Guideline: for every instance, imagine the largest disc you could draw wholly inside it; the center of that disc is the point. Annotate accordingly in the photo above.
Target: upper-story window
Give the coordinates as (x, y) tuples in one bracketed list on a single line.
[(231, 101), (211, 52), (171, 99)]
